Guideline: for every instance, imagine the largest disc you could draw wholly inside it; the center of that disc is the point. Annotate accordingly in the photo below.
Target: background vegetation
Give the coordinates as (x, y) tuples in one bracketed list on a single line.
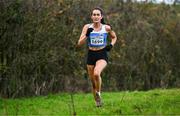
[(38, 38)]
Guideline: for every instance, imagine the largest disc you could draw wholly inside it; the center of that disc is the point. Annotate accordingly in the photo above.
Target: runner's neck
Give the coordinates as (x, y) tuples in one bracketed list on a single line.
[(97, 26)]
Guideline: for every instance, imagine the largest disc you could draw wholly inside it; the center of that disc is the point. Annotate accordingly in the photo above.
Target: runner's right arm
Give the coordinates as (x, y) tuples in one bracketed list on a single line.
[(83, 37)]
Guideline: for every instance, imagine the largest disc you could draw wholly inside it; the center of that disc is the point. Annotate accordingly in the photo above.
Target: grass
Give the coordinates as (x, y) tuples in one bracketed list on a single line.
[(153, 102)]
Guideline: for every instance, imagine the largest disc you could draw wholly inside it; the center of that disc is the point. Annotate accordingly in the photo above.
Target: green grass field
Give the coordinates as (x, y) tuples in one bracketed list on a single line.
[(159, 102)]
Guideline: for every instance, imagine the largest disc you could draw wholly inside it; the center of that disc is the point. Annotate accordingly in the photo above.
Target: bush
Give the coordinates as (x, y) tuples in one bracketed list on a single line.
[(38, 39)]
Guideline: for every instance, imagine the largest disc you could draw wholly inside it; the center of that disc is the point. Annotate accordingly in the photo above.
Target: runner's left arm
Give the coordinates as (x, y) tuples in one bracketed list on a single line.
[(112, 35)]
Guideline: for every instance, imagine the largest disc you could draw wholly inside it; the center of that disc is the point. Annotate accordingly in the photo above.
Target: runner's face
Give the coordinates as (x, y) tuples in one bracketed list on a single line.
[(96, 16)]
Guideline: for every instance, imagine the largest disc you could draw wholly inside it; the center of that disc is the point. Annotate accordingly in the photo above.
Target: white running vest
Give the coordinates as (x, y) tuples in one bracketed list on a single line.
[(98, 38)]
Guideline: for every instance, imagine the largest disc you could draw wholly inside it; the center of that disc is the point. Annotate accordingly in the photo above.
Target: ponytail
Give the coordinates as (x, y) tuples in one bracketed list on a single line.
[(102, 21)]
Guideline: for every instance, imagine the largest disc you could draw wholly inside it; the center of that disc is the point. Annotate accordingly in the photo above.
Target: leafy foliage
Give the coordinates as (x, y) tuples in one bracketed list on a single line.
[(38, 39)]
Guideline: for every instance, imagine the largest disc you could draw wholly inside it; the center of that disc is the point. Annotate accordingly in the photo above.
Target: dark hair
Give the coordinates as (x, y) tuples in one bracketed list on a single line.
[(102, 13)]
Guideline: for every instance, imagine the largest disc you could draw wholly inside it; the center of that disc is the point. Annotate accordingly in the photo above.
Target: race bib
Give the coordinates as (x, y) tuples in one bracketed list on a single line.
[(97, 39)]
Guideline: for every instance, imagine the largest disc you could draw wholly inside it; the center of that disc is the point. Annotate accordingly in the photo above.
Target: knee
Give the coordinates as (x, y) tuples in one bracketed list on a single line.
[(96, 74)]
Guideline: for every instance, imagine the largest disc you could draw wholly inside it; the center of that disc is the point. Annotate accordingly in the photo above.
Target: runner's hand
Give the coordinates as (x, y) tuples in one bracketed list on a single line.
[(109, 47), (89, 31)]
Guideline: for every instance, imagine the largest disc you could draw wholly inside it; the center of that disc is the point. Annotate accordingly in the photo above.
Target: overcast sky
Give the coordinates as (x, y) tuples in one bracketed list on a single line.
[(159, 1)]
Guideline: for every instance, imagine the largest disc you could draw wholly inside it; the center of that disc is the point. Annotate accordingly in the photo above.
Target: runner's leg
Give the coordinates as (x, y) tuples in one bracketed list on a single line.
[(100, 65), (90, 69)]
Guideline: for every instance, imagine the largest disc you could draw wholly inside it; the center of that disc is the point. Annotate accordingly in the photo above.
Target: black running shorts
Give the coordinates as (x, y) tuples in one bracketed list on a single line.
[(94, 56)]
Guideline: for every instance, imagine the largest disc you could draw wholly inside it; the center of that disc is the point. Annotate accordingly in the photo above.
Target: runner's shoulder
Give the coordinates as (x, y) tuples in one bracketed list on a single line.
[(108, 27), (86, 26)]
